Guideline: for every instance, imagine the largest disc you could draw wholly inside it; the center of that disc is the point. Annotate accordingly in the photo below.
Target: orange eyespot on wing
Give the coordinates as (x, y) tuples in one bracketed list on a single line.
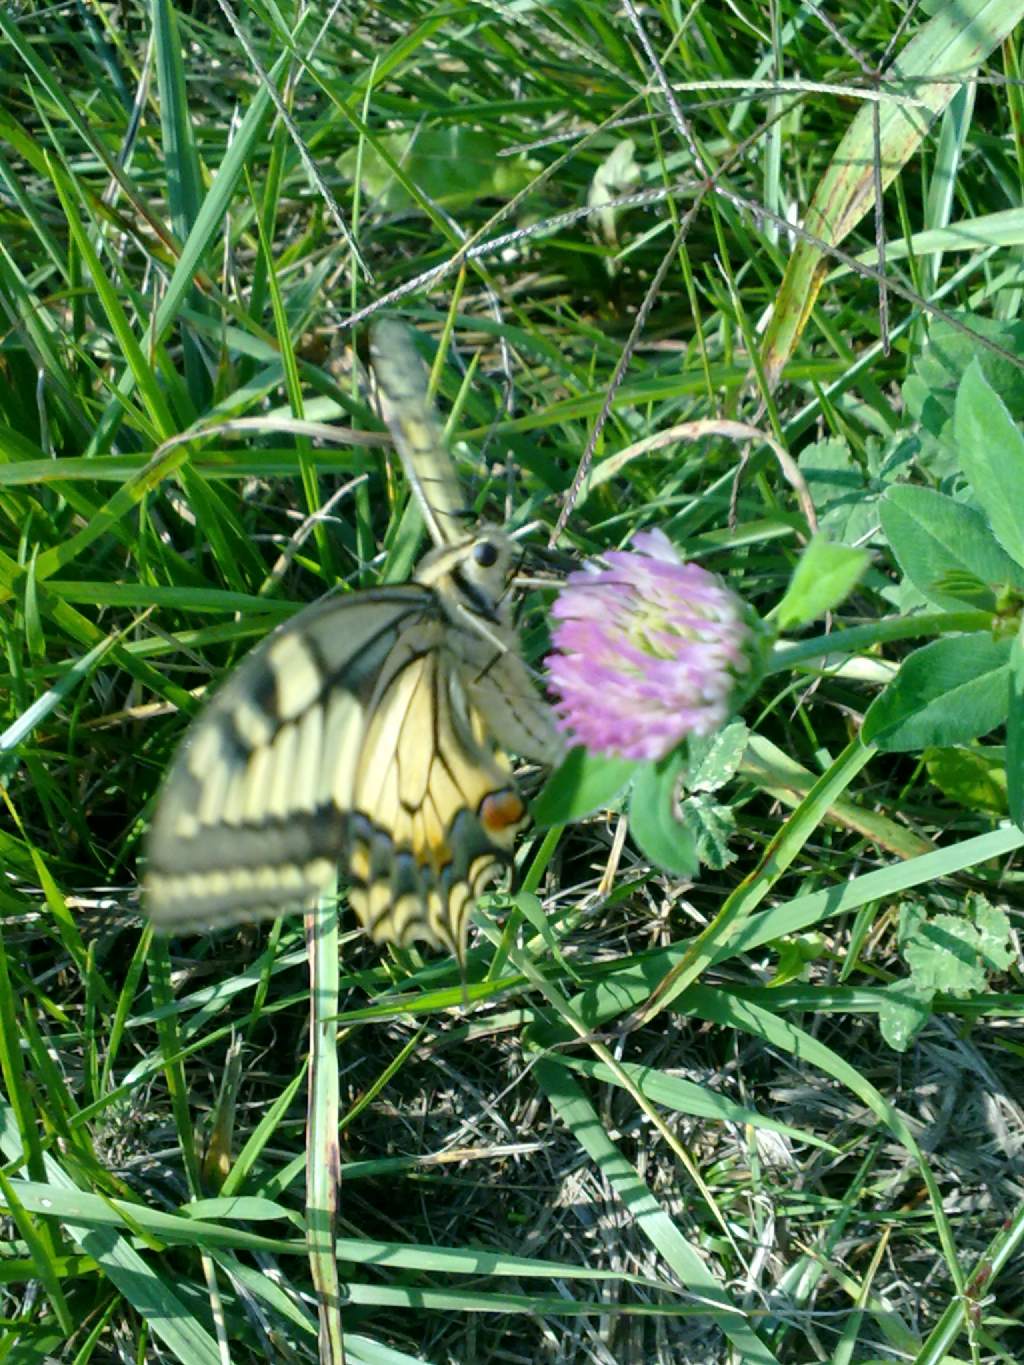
[(503, 814)]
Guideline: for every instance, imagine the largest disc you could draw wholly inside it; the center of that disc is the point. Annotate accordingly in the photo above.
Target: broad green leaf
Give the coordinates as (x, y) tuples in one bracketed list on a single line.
[(1015, 731), (454, 167), (843, 492), (995, 934), (943, 546), (905, 1009), (824, 576), (710, 824), (952, 347), (795, 955), (991, 450), (943, 955), (652, 820), (949, 692), (583, 783), (715, 760), (975, 778)]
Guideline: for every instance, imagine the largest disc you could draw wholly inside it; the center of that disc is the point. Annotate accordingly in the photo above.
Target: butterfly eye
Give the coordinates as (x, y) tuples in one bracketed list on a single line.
[(485, 554)]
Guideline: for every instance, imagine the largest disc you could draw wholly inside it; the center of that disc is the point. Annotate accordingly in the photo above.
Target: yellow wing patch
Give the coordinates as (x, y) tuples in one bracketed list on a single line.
[(445, 810)]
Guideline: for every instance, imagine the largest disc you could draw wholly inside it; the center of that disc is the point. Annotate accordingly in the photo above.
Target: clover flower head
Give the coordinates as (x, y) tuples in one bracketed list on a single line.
[(648, 651)]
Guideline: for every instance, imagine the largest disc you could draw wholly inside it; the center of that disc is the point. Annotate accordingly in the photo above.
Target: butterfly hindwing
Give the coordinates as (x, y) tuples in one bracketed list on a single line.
[(445, 808)]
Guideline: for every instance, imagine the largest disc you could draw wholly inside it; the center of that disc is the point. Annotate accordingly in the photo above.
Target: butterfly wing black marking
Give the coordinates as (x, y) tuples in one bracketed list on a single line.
[(348, 739)]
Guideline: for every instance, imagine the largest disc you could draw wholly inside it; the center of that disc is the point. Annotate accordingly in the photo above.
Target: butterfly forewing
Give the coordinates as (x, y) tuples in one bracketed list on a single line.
[(414, 427), (251, 819)]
